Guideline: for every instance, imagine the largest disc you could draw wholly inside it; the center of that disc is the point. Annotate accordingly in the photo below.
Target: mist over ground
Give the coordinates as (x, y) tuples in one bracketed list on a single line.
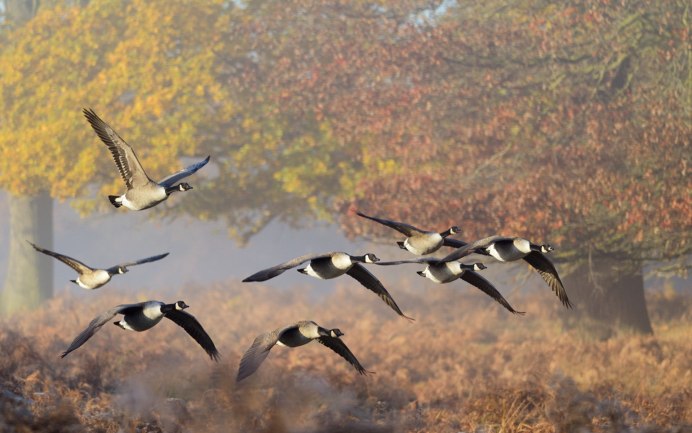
[(464, 365)]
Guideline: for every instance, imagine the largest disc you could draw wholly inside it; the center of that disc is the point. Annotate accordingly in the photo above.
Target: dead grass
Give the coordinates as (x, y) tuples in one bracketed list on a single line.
[(463, 366)]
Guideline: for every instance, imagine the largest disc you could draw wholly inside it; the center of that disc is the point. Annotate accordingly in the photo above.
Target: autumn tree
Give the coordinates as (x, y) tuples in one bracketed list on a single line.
[(147, 67), (566, 124)]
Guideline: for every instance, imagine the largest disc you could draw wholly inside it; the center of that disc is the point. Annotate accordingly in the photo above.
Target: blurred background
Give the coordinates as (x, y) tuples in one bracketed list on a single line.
[(566, 123)]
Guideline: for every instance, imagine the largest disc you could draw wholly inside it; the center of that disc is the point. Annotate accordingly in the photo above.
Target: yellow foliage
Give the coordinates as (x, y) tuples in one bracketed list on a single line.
[(146, 68)]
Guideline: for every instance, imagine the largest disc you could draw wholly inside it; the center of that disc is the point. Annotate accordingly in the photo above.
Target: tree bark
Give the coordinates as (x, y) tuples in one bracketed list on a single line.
[(29, 279), (611, 295), (21, 11)]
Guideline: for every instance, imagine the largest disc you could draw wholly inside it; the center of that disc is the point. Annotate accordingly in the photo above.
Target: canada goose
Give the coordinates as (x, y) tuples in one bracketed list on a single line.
[(145, 315), (419, 242), (91, 278), (508, 249), (295, 335), (142, 192), (331, 265), (446, 272)]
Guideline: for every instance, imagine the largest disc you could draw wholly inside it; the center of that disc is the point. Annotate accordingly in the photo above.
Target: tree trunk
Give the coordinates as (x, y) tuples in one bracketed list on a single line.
[(21, 11), (29, 279), (611, 294)]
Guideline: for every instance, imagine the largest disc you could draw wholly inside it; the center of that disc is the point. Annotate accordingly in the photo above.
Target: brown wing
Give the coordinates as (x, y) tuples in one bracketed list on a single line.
[(97, 323), (256, 354), (125, 159), (69, 261)]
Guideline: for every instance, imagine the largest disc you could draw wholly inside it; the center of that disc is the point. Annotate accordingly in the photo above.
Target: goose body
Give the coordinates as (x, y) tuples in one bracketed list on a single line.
[(92, 278), (445, 272), (145, 315), (419, 242), (294, 335), (332, 265), (142, 192), (509, 249)]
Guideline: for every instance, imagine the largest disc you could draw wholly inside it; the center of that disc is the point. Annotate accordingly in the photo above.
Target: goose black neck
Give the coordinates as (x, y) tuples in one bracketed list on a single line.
[(172, 189), (167, 308)]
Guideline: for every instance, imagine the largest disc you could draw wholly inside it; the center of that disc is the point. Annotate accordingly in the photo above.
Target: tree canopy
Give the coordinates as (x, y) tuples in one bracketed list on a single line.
[(146, 67), (566, 123)]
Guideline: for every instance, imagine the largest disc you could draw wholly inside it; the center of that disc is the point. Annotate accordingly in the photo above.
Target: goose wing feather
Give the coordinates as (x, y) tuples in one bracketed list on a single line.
[(142, 261), (370, 282), (257, 353), (97, 323), (187, 171), (486, 286), (69, 261), (402, 228), (266, 274), (547, 270), (124, 156), (338, 346), (192, 326)]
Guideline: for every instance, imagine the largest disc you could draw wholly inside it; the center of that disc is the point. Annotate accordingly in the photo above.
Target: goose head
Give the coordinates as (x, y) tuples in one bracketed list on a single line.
[(545, 248), (370, 258)]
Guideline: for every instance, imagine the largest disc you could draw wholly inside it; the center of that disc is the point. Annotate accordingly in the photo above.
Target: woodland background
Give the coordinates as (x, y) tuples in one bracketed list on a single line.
[(564, 122)]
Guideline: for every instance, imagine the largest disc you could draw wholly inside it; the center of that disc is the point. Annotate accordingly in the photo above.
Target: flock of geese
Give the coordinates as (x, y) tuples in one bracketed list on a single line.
[(143, 193)]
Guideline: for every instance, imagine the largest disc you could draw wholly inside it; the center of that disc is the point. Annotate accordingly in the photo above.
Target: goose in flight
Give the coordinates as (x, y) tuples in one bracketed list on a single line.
[(445, 272), (331, 265), (145, 315), (419, 242), (92, 278), (297, 334), (509, 249), (142, 192)]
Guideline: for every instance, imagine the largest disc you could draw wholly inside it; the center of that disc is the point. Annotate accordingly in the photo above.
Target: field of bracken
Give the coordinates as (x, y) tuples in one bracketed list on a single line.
[(464, 365)]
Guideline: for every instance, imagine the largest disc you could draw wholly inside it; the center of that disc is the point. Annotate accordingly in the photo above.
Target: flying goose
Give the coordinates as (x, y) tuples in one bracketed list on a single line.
[(145, 315), (91, 278), (419, 242), (142, 192), (331, 265), (508, 249), (446, 272), (295, 335)]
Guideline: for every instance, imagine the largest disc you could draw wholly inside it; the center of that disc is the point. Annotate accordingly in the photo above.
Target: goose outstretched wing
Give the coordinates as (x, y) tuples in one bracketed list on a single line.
[(125, 159), (187, 171)]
